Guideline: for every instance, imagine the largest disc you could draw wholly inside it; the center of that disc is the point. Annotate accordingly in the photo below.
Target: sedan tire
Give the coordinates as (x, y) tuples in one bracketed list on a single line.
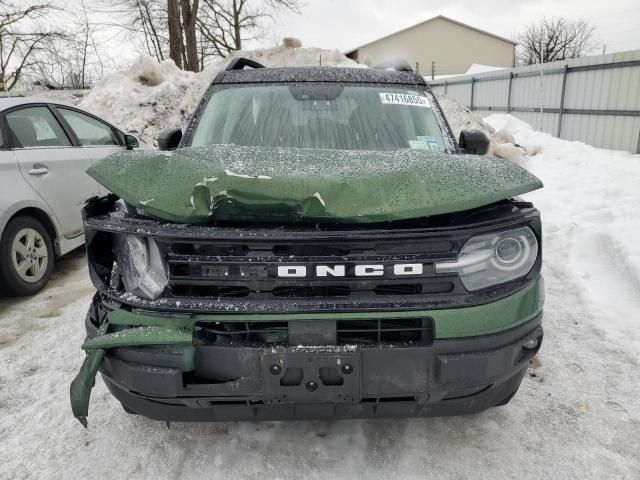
[(26, 257)]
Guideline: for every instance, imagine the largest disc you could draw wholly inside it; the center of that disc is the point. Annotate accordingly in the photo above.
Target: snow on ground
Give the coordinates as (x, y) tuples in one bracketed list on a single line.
[(577, 414), (150, 97), (590, 212)]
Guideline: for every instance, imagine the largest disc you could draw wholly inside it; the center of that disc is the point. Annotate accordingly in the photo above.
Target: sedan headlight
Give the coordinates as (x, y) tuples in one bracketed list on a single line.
[(143, 269), (492, 259)]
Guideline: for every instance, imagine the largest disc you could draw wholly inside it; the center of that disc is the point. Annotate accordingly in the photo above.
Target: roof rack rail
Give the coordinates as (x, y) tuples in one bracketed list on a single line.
[(397, 64), (241, 62)]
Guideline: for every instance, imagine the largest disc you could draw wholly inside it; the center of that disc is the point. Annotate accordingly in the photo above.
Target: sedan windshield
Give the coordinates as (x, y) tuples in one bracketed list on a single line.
[(320, 115)]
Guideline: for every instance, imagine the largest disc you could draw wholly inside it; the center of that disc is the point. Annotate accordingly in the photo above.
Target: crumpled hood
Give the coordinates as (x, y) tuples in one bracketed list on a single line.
[(266, 184)]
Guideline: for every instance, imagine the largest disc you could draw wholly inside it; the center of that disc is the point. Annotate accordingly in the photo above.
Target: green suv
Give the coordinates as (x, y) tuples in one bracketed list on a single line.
[(314, 245)]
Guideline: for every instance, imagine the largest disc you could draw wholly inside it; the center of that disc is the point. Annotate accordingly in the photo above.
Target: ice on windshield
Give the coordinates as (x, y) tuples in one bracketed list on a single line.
[(320, 115)]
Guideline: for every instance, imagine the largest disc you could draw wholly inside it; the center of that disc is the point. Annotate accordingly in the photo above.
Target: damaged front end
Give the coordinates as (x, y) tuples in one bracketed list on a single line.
[(317, 247), (202, 312)]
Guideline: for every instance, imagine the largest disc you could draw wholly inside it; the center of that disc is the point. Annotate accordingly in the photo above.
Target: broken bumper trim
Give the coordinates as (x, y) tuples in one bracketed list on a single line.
[(450, 377)]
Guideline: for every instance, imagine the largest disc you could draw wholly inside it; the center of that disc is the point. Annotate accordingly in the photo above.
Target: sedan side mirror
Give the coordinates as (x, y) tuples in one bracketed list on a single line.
[(169, 139), (474, 142), (131, 141)]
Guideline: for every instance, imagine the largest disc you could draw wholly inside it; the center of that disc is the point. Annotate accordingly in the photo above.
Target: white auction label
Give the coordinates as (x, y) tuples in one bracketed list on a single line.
[(402, 99)]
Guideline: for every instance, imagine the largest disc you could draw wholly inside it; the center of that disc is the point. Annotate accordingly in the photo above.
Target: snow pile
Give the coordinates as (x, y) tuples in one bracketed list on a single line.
[(461, 118), (589, 208), (143, 99), (477, 68), (150, 96), (70, 97), (503, 144)]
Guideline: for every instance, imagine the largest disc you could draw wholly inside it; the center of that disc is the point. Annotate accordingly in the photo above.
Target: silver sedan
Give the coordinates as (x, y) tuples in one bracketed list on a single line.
[(45, 148)]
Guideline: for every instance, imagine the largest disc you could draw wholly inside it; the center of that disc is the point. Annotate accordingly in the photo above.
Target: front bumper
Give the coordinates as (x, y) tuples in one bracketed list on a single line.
[(225, 383)]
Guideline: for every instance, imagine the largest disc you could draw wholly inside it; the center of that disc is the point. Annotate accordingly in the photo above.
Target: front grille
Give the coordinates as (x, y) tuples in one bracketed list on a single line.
[(308, 292), (210, 291), (412, 289), (385, 331), (268, 333), (234, 269), (347, 332), (210, 270)]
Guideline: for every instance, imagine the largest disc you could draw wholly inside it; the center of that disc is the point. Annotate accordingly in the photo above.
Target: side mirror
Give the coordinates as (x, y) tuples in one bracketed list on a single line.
[(474, 142), (169, 139), (131, 141)]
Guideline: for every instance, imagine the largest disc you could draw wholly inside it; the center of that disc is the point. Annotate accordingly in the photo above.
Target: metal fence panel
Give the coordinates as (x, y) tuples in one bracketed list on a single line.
[(461, 93), (491, 93), (595, 100)]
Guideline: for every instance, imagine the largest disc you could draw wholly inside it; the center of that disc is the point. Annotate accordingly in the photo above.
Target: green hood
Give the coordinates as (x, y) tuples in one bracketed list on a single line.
[(265, 184)]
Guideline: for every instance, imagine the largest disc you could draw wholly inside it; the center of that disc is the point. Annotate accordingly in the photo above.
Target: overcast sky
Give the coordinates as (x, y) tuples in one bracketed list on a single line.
[(345, 24)]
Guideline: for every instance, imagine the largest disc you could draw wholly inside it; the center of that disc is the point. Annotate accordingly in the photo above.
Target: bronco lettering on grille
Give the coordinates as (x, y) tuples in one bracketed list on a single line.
[(302, 271)]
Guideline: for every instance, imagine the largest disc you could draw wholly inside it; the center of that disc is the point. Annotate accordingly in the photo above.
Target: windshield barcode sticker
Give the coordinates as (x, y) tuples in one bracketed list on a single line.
[(402, 99)]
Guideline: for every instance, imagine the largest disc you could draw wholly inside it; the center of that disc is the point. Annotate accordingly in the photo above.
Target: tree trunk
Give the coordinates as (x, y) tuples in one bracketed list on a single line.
[(237, 31), (189, 16), (175, 35)]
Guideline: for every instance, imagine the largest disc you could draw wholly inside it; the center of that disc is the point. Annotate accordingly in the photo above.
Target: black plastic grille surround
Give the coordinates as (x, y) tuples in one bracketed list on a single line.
[(342, 332)]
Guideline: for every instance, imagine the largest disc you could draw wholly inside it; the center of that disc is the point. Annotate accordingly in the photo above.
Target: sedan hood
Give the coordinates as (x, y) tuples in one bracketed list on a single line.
[(266, 184)]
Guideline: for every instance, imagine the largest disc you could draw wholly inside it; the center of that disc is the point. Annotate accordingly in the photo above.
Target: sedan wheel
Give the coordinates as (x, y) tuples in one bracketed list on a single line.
[(26, 257), (30, 256)]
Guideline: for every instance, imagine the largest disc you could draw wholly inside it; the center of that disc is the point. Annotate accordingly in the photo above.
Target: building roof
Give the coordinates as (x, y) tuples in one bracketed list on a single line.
[(441, 17)]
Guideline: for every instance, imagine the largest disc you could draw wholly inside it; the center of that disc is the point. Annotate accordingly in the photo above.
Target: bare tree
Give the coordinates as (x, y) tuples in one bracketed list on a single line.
[(189, 11), (176, 45), (227, 24), (555, 39), (21, 37), (72, 60), (142, 21), (166, 28)]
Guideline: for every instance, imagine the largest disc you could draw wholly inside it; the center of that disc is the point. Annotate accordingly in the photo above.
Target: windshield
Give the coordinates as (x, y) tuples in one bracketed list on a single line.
[(320, 115)]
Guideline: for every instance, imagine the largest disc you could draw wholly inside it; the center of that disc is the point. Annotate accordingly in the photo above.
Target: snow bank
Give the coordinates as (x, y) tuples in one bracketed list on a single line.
[(503, 144), (461, 118), (150, 96), (143, 99), (589, 208), (477, 68)]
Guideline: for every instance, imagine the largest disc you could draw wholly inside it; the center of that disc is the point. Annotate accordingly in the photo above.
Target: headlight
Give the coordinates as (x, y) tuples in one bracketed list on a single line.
[(144, 272), (495, 258)]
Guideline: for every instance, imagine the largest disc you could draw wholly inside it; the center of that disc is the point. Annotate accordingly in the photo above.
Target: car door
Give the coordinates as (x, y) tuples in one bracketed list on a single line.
[(96, 138), (51, 164)]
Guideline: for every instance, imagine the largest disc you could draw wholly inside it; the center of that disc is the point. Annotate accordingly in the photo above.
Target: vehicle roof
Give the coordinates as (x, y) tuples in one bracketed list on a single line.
[(10, 102), (319, 74)]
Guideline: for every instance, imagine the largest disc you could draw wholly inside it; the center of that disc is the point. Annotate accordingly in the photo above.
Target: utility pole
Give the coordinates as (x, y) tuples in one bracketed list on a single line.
[(433, 70)]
